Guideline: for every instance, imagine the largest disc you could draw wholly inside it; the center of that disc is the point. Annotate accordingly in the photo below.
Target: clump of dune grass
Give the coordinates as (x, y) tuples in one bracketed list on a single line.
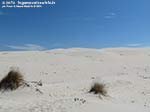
[(98, 88), (12, 80)]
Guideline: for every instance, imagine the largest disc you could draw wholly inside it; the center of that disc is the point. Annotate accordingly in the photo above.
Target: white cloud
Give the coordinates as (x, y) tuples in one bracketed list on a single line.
[(27, 47), (110, 15)]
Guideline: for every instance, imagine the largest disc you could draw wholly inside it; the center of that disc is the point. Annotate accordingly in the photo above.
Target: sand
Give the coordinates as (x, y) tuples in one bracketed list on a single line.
[(67, 75)]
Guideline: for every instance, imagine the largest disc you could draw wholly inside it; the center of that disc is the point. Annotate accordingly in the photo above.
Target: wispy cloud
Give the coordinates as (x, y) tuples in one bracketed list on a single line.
[(135, 45), (110, 15), (2, 13), (57, 44), (142, 45), (27, 47)]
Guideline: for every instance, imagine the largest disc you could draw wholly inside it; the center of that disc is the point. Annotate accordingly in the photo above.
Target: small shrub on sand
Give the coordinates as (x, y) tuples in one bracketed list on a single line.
[(11, 81), (98, 88)]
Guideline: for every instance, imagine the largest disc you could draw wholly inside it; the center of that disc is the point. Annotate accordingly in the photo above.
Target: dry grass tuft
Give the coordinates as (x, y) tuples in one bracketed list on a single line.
[(12, 80), (99, 88)]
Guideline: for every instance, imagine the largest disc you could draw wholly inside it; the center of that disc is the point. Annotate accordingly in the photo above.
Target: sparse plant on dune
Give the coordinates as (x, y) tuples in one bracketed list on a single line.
[(98, 88), (12, 80)]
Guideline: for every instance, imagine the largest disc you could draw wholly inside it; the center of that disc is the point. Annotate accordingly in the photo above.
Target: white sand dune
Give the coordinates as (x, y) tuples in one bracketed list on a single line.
[(67, 75)]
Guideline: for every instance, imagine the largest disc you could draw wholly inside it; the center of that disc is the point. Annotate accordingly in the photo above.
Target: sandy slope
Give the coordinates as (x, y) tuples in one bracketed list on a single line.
[(67, 75)]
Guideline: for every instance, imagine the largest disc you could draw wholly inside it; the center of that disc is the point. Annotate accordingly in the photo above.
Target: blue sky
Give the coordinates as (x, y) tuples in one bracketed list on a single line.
[(76, 23)]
